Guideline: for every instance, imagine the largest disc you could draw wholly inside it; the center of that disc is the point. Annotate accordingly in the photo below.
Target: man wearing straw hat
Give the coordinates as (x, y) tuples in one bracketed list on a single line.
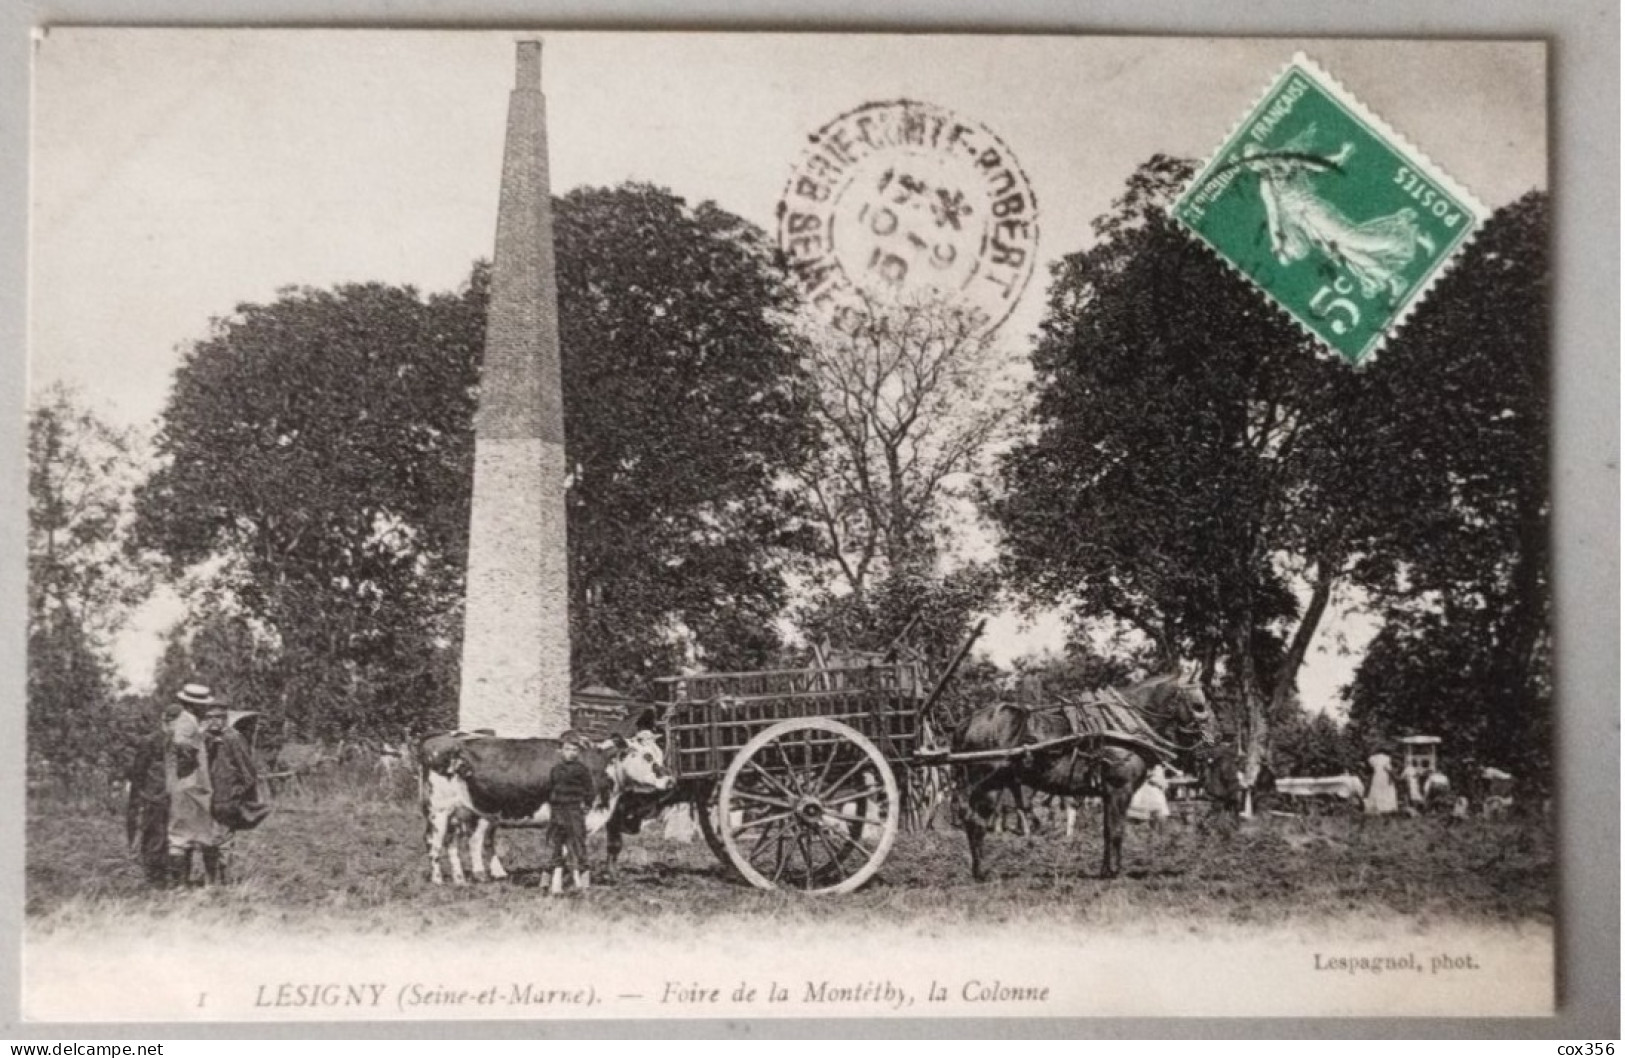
[(186, 772)]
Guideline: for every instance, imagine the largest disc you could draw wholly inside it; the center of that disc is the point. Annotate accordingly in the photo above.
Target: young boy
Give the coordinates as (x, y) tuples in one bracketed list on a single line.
[(570, 792)]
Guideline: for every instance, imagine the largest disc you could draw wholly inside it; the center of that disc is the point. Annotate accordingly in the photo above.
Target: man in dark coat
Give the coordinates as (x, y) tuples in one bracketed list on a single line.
[(146, 815), (235, 804), (570, 793)]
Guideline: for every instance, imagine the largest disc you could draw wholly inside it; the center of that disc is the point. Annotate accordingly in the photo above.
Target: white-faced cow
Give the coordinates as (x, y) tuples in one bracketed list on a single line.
[(478, 782)]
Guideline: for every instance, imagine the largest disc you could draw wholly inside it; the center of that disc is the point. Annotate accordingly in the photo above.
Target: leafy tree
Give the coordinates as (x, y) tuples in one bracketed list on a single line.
[(1175, 477), (1079, 670), (1465, 651), (906, 396), (70, 683), (686, 410), (1197, 470), (931, 615), (907, 401), (1305, 745), (320, 447), (80, 472), (80, 584)]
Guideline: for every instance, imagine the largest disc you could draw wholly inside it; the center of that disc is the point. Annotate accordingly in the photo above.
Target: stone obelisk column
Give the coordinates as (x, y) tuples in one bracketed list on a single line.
[(516, 636)]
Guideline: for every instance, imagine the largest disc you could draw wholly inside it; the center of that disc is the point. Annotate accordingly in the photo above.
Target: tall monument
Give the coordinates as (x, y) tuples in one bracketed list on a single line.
[(516, 633)]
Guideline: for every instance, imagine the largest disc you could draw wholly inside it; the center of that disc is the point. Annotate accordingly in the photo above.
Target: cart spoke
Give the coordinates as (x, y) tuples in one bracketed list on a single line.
[(862, 762), (802, 764), (828, 802), (751, 795), (771, 779), (805, 845), (762, 821), (777, 830), (852, 819), (829, 762), (761, 842), (790, 770), (850, 840), (779, 860), (835, 858)]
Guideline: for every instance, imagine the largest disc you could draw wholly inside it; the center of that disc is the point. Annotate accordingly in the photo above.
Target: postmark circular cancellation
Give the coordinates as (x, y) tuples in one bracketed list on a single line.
[(900, 200)]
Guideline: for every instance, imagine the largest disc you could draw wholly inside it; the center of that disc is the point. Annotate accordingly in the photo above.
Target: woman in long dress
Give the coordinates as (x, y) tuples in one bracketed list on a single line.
[(1381, 798)]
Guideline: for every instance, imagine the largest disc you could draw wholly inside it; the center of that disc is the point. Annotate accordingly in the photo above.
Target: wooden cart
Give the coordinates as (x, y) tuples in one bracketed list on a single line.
[(797, 773)]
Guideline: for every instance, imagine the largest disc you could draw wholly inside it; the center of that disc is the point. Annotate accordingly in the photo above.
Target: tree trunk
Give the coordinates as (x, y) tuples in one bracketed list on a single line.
[(1252, 731), (1286, 677)]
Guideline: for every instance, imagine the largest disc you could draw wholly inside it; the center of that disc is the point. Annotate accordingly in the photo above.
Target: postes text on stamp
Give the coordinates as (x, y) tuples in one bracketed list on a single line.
[(900, 200), (1329, 212)]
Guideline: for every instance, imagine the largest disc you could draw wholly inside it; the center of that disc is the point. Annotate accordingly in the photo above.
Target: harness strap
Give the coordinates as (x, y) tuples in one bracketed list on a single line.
[(1109, 717)]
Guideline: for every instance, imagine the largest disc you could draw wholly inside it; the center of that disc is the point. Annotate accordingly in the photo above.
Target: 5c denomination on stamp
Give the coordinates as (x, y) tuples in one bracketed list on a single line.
[(1329, 212), (901, 200)]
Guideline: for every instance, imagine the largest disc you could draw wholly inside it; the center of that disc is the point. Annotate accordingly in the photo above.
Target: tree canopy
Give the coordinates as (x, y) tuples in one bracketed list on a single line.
[(907, 398), (1171, 478), (686, 413), (80, 584), (1196, 468), (320, 449), (317, 448), (1464, 585)]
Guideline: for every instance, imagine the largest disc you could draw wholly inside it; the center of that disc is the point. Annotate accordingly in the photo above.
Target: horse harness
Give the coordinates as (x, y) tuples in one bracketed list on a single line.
[(1100, 720)]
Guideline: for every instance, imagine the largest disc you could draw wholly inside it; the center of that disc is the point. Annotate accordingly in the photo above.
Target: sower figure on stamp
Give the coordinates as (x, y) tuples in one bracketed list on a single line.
[(186, 774), (570, 792), (1376, 252), (236, 804)]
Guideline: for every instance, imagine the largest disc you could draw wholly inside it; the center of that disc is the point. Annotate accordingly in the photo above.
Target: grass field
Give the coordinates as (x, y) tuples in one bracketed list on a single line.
[(1213, 916), (352, 859)]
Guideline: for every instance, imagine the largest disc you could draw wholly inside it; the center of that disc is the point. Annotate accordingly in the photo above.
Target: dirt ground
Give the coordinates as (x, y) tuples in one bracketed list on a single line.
[(358, 864)]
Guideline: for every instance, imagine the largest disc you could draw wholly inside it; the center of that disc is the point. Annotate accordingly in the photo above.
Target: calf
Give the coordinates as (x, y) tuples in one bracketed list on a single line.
[(486, 782)]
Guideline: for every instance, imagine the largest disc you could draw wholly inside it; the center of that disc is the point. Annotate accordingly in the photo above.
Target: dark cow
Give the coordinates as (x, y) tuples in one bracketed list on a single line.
[(487, 781)]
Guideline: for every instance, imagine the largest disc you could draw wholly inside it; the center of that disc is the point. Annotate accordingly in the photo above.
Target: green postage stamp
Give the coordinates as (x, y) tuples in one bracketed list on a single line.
[(1329, 212)]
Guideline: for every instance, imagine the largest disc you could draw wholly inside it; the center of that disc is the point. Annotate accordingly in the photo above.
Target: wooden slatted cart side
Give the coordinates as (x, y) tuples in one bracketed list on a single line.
[(795, 771), (709, 718), (598, 712)]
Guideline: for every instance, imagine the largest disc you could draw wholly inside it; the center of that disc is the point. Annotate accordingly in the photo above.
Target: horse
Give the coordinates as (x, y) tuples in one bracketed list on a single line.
[(1172, 717)]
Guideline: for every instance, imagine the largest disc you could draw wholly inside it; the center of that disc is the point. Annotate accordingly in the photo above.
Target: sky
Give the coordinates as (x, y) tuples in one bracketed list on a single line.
[(178, 173)]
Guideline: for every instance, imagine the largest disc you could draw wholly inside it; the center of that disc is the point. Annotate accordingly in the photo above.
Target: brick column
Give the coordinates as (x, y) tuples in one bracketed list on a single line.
[(516, 636)]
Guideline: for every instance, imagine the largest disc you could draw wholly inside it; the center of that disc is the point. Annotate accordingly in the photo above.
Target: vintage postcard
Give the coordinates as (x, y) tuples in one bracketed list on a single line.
[(734, 525)]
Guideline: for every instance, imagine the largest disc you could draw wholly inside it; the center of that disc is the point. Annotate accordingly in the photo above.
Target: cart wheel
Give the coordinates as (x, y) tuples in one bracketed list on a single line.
[(810, 805)]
